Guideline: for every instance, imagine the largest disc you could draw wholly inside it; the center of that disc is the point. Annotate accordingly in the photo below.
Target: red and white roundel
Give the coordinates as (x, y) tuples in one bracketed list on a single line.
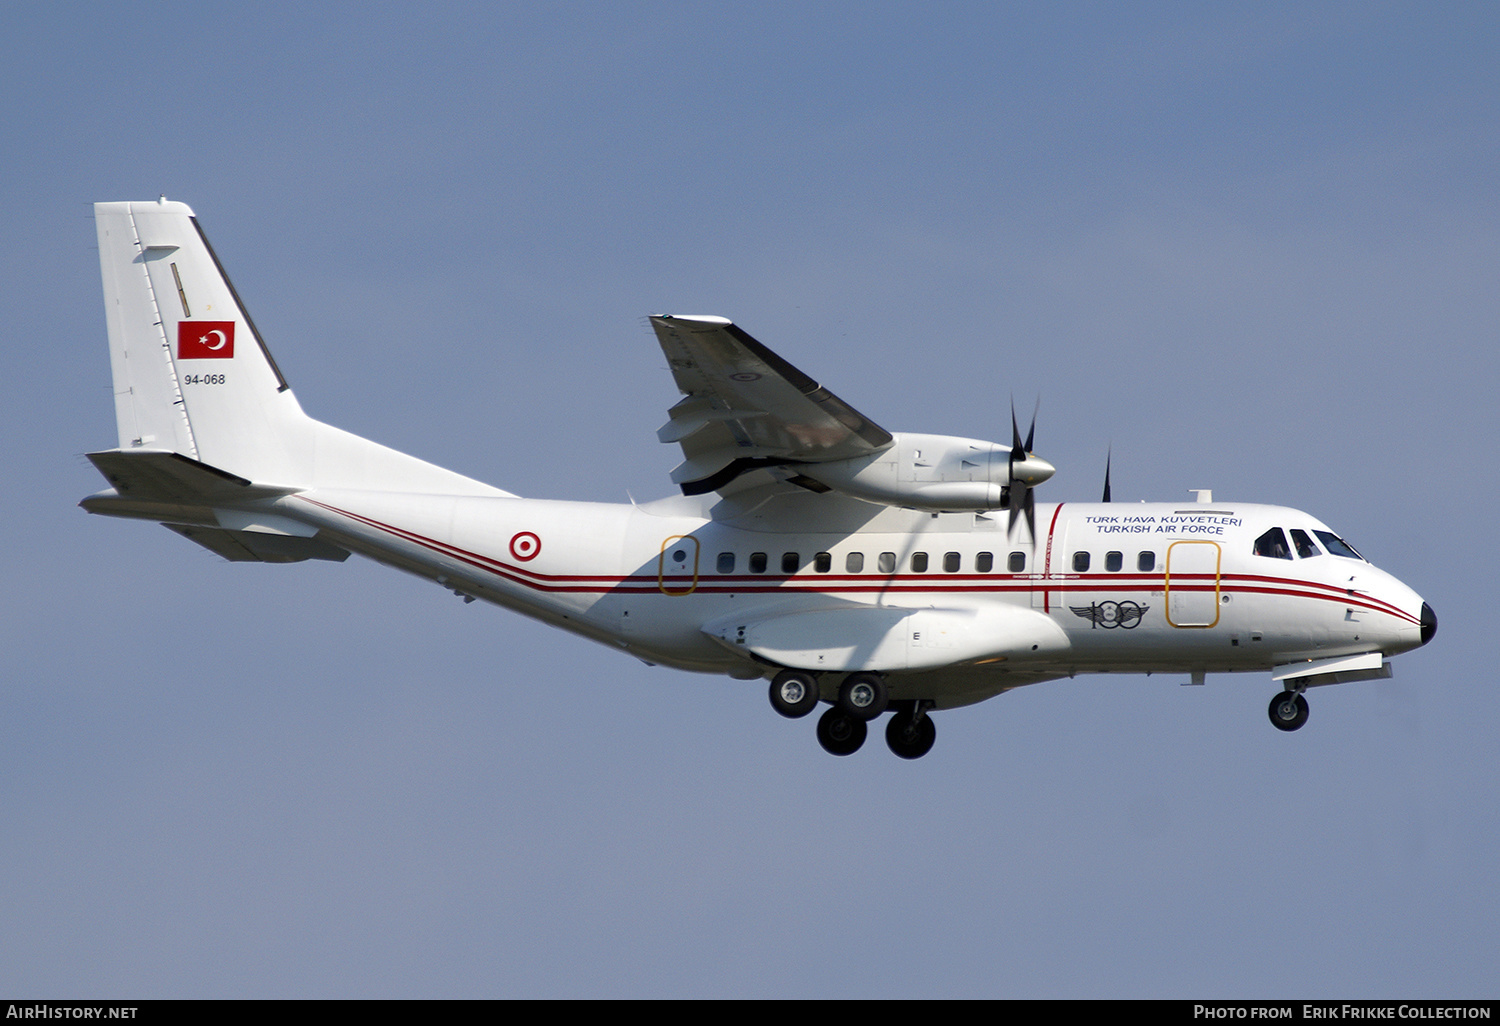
[(525, 546)]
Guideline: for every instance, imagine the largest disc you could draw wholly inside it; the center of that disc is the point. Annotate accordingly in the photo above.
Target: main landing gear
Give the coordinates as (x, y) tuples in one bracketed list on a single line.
[(794, 693), (911, 731), (1288, 710), (840, 733), (862, 697)]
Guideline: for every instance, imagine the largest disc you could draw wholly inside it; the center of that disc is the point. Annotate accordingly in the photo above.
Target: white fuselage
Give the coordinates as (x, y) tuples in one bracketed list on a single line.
[(954, 607), (870, 569)]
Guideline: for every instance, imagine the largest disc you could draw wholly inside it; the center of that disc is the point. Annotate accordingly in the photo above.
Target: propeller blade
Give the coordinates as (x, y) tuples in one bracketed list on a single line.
[(1107, 460), (1033, 471), (1022, 502)]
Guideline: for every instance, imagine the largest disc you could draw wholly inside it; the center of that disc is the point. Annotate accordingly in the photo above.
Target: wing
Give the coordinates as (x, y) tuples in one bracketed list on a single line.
[(746, 408)]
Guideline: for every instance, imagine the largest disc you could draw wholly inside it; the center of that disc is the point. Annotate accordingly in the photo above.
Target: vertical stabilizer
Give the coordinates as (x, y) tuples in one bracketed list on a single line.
[(192, 375)]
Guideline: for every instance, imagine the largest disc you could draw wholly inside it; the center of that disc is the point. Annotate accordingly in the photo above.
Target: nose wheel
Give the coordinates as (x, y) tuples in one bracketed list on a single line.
[(1288, 711)]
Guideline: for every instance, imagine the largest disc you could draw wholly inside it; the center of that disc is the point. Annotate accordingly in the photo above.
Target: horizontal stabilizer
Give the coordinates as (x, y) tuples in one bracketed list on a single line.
[(259, 547), (145, 475), (190, 497)]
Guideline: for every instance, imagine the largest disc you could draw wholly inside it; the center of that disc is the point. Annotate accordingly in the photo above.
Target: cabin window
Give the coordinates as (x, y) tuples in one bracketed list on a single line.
[(887, 562), (1080, 562), (951, 562), (1145, 562), (790, 561), (823, 562), (854, 563), (1113, 561), (1336, 545), (1273, 544), (1017, 562), (984, 562), (757, 562), (1303, 544), (919, 562), (726, 562)]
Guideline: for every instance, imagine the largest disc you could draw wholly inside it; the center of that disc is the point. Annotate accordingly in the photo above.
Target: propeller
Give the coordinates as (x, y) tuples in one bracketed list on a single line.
[(1026, 471), (1109, 457)]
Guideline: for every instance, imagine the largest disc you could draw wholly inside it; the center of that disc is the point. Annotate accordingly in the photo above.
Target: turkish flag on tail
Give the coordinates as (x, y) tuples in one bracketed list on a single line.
[(205, 340)]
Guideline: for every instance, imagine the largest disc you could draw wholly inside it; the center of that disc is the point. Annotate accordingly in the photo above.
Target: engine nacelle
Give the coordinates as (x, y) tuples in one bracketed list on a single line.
[(934, 473)]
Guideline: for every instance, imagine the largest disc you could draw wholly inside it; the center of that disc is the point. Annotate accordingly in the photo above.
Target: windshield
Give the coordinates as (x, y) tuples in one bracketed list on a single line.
[(1336, 545), (1273, 544)]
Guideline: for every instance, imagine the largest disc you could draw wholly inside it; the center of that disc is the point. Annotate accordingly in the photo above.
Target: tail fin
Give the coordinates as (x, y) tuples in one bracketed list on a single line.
[(193, 377)]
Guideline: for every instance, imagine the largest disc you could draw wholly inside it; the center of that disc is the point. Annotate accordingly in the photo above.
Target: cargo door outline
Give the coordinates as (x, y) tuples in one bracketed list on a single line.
[(1189, 605), (1039, 562), (671, 568)]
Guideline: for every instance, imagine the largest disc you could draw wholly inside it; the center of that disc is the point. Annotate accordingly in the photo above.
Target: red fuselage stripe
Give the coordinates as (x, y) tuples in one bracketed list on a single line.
[(931, 584)]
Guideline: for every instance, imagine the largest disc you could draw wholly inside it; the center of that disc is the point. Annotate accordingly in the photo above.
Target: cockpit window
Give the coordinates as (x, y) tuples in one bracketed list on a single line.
[(1304, 544), (1273, 544), (1336, 545)]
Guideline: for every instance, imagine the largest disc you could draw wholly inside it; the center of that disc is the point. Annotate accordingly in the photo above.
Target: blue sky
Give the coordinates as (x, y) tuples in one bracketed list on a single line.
[(1251, 247)]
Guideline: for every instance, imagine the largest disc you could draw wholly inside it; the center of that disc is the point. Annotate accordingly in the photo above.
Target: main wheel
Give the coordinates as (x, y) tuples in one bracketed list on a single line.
[(794, 694), (839, 733), (908, 739), (863, 695), (1288, 711)]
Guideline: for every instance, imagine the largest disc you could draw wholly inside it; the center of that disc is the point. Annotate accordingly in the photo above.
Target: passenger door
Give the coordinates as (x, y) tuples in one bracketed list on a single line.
[(1192, 583)]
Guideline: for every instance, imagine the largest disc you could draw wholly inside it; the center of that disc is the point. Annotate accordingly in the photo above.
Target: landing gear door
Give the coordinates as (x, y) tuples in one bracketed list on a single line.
[(1192, 583), (677, 565)]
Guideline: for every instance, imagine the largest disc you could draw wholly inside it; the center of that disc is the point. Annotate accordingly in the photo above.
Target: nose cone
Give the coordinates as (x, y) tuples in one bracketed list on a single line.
[(1429, 623)]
